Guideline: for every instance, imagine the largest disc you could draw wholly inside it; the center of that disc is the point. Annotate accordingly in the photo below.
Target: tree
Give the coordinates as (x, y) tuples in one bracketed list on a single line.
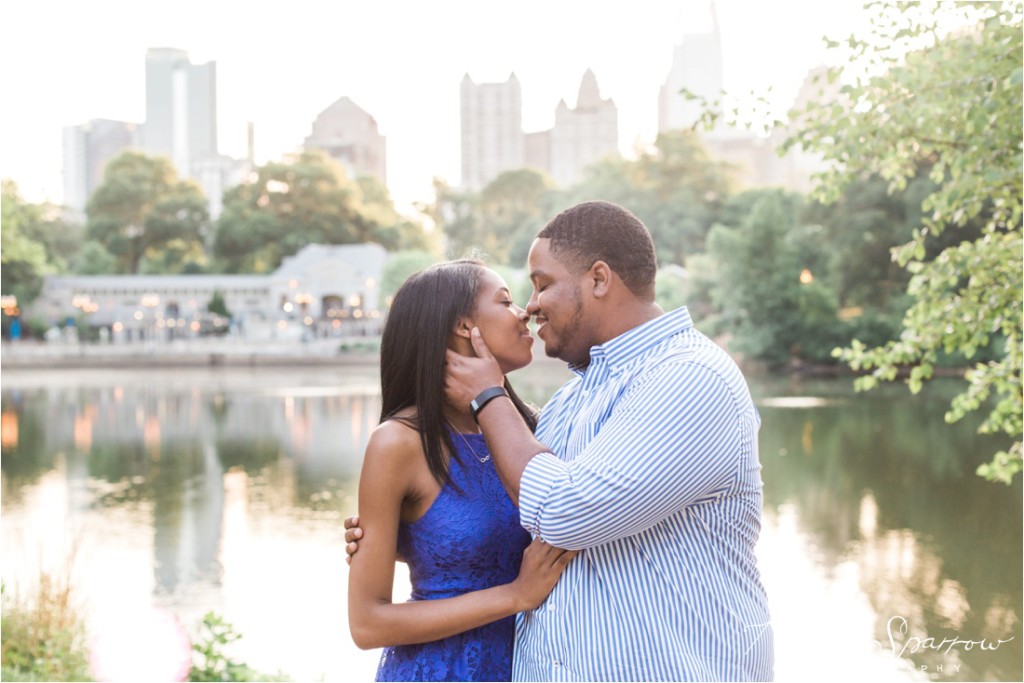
[(675, 188), (771, 288), (141, 209), (384, 225), (35, 242), (670, 287), (499, 222), (513, 208), (93, 259), (454, 214), (217, 305), (399, 266), (306, 199), (951, 101)]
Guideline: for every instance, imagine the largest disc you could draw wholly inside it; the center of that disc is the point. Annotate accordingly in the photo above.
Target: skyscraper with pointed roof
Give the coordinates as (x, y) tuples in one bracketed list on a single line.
[(583, 135)]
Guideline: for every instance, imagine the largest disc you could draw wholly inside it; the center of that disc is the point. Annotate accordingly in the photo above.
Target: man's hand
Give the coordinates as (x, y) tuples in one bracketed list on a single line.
[(466, 377), (352, 535)]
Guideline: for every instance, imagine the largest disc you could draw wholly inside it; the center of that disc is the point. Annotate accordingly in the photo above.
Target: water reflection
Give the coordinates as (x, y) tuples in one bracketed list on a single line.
[(886, 491), (225, 490)]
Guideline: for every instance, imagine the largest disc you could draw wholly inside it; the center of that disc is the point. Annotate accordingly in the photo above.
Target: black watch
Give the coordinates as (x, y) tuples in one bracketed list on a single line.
[(483, 398)]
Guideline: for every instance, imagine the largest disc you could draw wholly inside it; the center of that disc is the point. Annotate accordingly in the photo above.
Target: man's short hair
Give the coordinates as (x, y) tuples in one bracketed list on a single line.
[(603, 231)]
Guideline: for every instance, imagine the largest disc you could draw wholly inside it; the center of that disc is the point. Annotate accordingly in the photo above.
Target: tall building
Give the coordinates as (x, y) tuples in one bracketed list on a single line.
[(537, 150), (181, 123), (87, 149), (492, 130), (697, 67), (798, 166), (349, 136), (583, 135), (181, 108)]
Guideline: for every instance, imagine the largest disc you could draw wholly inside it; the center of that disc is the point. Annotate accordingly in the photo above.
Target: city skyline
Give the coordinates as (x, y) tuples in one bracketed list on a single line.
[(405, 74)]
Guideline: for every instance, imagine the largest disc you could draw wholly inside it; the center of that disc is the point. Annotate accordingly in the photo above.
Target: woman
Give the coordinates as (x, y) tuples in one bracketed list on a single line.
[(429, 492)]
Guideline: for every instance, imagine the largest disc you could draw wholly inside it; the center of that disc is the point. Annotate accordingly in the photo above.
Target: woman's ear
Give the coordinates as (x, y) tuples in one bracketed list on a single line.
[(600, 278), (463, 328)]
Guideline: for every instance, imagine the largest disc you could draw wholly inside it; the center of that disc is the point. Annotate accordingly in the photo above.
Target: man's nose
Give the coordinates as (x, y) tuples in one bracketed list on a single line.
[(532, 307)]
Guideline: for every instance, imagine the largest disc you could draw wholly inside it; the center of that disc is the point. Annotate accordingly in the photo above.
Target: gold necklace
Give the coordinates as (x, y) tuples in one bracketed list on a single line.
[(469, 445)]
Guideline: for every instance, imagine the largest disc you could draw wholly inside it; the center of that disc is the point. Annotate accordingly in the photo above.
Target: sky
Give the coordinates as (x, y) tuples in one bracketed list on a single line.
[(279, 64)]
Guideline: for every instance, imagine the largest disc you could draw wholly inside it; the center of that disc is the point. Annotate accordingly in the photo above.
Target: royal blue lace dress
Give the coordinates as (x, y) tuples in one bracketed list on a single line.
[(469, 539)]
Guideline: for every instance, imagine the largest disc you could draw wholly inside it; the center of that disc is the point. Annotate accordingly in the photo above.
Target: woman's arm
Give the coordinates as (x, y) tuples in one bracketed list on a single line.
[(392, 456)]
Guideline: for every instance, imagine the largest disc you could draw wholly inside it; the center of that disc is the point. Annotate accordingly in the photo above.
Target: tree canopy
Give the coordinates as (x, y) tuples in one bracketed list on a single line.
[(308, 199), (500, 221), (770, 289), (143, 211), (916, 95), (674, 187), (36, 242)]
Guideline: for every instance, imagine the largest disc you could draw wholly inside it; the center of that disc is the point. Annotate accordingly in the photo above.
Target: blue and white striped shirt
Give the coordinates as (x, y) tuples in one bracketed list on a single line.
[(657, 477)]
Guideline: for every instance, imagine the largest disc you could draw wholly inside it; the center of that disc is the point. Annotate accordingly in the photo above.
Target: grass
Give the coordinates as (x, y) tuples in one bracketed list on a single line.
[(43, 638)]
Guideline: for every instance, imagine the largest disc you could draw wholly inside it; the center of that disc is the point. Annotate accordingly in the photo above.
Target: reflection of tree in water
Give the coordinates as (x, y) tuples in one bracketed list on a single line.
[(219, 406), (25, 455), (880, 479), (251, 455)]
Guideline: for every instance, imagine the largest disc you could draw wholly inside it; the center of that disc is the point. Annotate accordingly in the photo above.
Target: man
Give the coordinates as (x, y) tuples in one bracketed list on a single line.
[(646, 460)]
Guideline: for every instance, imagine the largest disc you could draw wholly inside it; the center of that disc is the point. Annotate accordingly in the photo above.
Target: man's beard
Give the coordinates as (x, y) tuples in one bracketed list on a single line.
[(568, 334)]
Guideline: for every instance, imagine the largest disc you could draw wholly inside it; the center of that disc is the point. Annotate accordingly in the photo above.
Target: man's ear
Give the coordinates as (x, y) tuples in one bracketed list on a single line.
[(600, 275)]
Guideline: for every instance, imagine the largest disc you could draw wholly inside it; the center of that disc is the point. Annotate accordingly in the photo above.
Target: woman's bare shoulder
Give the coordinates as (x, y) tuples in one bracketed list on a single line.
[(396, 439)]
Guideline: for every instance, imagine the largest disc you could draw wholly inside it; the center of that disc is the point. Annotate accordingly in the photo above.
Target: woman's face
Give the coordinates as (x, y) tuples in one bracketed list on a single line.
[(502, 324)]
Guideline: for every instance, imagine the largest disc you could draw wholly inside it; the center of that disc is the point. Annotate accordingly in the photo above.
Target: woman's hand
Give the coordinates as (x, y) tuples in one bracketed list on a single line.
[(539, 571)]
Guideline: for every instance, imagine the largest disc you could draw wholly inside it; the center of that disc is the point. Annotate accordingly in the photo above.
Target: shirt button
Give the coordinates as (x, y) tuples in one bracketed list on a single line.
[(557, 663)]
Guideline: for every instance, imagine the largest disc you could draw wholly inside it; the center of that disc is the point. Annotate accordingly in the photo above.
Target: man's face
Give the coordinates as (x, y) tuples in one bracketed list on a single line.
[(557, 305)]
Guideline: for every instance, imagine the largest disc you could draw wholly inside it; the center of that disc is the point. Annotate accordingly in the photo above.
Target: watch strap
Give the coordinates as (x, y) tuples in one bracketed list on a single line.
[(483, 398)]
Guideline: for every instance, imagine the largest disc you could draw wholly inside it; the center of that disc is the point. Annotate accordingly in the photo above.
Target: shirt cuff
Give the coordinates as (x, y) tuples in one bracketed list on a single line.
[(541, 474)]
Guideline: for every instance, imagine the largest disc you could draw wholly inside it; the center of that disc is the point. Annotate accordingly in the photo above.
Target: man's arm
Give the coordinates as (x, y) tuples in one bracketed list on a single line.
[(677, 437), (509, 439)]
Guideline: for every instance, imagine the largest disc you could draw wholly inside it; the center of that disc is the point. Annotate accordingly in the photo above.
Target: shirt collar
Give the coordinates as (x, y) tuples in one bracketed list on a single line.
[(634, 343)]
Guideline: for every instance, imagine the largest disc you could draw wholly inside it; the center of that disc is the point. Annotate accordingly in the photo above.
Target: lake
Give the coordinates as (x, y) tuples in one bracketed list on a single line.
[(181, 491)]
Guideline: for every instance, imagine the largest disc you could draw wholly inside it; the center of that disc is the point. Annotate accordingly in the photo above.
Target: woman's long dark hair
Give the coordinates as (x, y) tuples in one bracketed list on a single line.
[(424, 312)]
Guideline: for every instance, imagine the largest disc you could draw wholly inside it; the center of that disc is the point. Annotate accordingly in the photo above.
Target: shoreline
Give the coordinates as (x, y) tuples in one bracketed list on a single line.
[(213, 354), (360, 352)]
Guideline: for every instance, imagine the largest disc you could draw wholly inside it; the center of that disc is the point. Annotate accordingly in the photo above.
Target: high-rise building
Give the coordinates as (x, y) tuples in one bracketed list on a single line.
[(181, 108), (697, 67), (583, 135), (492, 130), (349, 135), (87, 149), (537, 151), (181, 123)]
